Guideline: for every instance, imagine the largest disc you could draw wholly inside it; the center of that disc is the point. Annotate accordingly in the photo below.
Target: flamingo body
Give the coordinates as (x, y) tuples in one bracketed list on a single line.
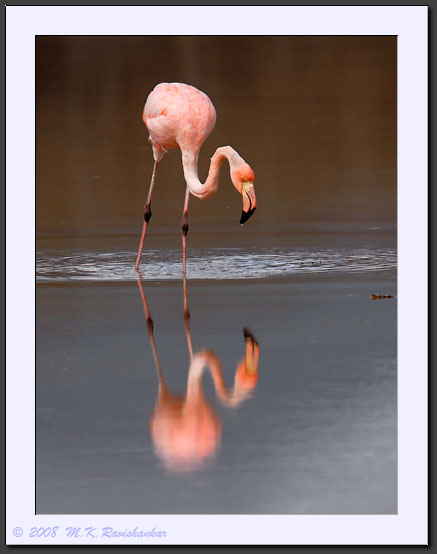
[(178, 116)]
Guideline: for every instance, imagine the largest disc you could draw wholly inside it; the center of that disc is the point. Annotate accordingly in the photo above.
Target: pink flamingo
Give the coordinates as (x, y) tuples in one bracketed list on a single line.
[(185, 429), (181, 116)]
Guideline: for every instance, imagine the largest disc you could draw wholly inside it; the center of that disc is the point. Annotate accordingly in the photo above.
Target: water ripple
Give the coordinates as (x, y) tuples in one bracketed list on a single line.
[(216, 264)]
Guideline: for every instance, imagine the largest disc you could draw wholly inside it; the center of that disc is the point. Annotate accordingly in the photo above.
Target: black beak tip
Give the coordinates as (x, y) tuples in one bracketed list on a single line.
[(246, 215), (249, 336)]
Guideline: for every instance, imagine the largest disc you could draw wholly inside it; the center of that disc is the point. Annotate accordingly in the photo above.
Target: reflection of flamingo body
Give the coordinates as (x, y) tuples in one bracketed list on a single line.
[(185, 429), (181, 116)]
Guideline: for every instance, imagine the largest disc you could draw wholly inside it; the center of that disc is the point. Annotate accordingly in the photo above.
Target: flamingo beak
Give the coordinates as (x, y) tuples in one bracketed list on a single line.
[(246, 376), (252, 351), (249, 201)]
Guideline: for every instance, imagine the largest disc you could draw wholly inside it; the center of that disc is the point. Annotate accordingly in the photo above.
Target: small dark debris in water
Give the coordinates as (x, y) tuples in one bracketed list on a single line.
[(380, 296), (202, 268), (307, 264)]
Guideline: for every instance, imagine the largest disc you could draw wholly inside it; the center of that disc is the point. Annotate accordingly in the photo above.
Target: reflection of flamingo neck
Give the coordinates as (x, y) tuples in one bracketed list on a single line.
[(194, 383), (207, 359)]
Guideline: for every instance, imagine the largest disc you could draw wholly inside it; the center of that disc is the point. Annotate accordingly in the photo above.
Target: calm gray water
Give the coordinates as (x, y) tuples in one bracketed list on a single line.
[(129, 422), (317, 433)]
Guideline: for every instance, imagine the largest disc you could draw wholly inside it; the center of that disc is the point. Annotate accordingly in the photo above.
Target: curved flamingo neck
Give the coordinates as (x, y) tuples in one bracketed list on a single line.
[(206, 189), (207, 359)]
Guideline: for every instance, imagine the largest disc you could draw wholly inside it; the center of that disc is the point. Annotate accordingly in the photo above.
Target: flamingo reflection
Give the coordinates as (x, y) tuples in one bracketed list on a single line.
[(185, 429)]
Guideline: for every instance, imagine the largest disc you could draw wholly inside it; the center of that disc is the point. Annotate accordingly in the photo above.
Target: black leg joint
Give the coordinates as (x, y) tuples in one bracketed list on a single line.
[(150, 325), (147, 213), (184, 228)]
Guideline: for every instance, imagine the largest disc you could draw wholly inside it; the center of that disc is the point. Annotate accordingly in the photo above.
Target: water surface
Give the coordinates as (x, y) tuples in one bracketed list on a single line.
[(316, 434)]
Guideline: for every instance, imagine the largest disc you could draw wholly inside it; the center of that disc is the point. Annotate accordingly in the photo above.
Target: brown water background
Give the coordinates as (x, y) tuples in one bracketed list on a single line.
[(315, 116), (316, 119)]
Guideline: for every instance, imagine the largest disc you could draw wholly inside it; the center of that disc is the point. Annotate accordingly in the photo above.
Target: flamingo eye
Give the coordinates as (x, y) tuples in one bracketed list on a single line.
[(246, 186)]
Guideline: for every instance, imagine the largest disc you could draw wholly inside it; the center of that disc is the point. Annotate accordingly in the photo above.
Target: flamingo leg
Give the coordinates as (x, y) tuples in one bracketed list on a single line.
[(187, 320), (187, 328), (147, 215), (186, 311), (149, 322), (184, 228)]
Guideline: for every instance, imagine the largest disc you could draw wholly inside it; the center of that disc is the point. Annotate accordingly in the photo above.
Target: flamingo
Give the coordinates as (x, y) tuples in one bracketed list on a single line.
[(185, 429), (181, 116)]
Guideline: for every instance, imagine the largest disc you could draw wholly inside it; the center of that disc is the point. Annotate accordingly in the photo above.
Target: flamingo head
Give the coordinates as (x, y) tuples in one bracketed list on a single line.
[(242, 179), (246, 375)]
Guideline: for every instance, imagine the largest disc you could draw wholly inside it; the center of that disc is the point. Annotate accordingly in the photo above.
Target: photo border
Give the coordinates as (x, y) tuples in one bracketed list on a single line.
[(410, 24)]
